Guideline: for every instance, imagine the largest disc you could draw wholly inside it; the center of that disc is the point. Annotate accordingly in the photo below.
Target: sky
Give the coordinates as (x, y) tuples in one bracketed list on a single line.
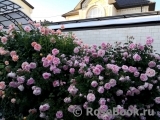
[(52, 10)]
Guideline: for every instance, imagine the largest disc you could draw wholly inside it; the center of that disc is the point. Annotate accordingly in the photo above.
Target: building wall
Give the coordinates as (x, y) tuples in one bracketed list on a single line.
[(132, 10), (109, 9), (98, 36), (26, 9), (72, 17)]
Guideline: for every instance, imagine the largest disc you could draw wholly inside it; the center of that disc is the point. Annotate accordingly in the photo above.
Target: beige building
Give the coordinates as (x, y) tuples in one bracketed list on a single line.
[(26, 7), (101, 8)]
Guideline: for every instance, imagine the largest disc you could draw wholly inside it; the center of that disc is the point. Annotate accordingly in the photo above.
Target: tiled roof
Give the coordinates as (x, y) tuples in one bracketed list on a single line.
[(125, 3)]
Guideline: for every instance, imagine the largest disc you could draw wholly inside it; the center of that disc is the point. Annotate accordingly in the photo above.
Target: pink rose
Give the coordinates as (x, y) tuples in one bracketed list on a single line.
[(150, 72), (72, 70), (32, 65), (33, 44), (136, 74), (132, 46), (96, 71), (37, 47), (101, 89), (103, 108), (13, 53), (102, 101), (55, 51), (101, 53), (67, 100), (149, 41), (21, 79), (72, 90), (56, 83), (125, 68), (112, 82), (76, 50), (44, 107), (107, 86), (13, 100), (30, 81), (56, 61), (4, 40), (119, 92), (46, 75), (157, 100), (94, 84), (136, 57), (27, 28), (132, 69), (59, 114), (125, 54), (151, 64), (143, 77), (2, 85), (15, 58), (37, 91), (91, 97)]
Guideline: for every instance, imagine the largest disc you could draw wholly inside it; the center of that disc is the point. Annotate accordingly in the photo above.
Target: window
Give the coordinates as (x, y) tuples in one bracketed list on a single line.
[(95, 12)]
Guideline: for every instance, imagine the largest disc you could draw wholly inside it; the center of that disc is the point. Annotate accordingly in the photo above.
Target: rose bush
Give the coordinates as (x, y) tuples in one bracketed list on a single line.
[(47, 74)]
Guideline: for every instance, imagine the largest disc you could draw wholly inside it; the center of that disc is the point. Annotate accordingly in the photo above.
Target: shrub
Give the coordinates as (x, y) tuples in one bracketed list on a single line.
[(47, 74)]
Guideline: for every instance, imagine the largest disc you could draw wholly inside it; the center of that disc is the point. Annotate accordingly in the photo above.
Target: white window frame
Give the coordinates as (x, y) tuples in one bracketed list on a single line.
[(95, 11)]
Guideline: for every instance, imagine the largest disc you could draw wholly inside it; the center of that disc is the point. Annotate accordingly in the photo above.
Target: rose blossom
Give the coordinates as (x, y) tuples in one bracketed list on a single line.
[(55, 51), (4, 40), (56, 83), (125, 68), (101, 89), (102, 101), (37, 47), (91, 97), (132, 46), (32, 65), (107, 86), (33, 44), (13, 100), (103, 108), (59, 114), (67, 100), (96, 71), (101, 53), (136, 74), (27, 28), (2, 85), (94, 84), (149, 41), (112, 82), (15, 57), (21, 79), (151, 64), (44, 107), (132, 69), (157, 100), (76, 50), (30, 81), (72, 90), (119, 92), (46, 75), (37, 91), (150, 72), (72, 70), (136, 57), (143, 77)]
